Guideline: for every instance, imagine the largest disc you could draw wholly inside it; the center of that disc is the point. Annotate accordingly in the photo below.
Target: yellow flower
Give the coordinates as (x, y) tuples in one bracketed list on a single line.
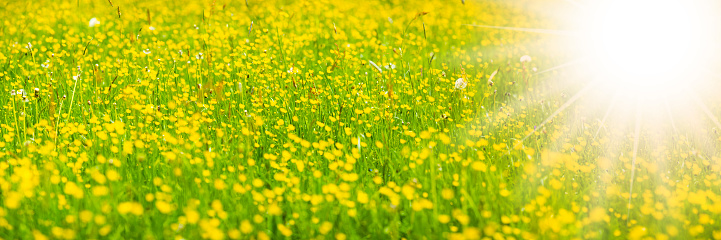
[(444, 218), (505, 192), (163, 207), (100, 191), (325, 227), (112, 175), (556, 184), (86, 216), (274, 210), (130, 207), (12, 200), (284, 230), (637, 232), (72, 189), (246, 227), (408, 192), (479, 166), (340, 236), (234, 234), (447, 193), (219, 184), (37, 235), (192, 216), (425, 135), (461, 217), (362, 197), (597, 214)]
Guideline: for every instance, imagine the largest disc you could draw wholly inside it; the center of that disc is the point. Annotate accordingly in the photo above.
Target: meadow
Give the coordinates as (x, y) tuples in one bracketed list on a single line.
[(322, 120)]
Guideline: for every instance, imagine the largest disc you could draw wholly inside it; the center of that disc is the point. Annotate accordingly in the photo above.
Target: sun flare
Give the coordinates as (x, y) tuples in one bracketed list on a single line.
[(648, 47)]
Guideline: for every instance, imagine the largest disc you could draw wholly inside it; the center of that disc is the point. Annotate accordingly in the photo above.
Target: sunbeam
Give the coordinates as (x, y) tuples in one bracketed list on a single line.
[(563, 65), (670, 115), (563, 107), (705, 109), (531, 30), (608, 112), (636, 137)]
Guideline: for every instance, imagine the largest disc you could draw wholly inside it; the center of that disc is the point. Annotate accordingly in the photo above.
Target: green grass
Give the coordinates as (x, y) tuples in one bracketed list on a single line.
[(211, 135)]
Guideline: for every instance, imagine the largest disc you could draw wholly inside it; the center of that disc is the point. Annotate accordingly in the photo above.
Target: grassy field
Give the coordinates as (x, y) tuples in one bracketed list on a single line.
[(322, 120)]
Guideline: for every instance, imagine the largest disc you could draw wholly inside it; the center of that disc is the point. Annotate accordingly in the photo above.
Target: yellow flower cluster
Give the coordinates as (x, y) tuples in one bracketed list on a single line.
[(314, 120)]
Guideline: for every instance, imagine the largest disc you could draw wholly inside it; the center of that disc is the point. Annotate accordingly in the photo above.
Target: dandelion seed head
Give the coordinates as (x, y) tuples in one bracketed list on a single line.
[(525, 59), (460, 84)]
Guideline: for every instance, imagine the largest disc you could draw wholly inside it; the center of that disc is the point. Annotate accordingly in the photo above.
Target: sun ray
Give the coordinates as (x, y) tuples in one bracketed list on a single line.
[(705, 109), (568, 103), (566, 64), (532, 30), (608, 111), (636, 137), (670, 115)]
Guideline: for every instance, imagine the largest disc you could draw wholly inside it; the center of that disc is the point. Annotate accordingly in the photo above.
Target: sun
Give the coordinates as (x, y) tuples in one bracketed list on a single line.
[(647, 47)]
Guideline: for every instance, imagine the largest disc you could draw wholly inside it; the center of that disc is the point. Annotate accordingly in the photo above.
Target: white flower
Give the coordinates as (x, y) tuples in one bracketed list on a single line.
[(146, 51), (525, 59), (461, 84), (151, 28), (392, 66), (75, 78), (534, 69), (93, 22)]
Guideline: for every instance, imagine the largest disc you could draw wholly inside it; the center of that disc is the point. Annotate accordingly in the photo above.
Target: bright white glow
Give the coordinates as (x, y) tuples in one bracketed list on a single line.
[(645, 45)]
